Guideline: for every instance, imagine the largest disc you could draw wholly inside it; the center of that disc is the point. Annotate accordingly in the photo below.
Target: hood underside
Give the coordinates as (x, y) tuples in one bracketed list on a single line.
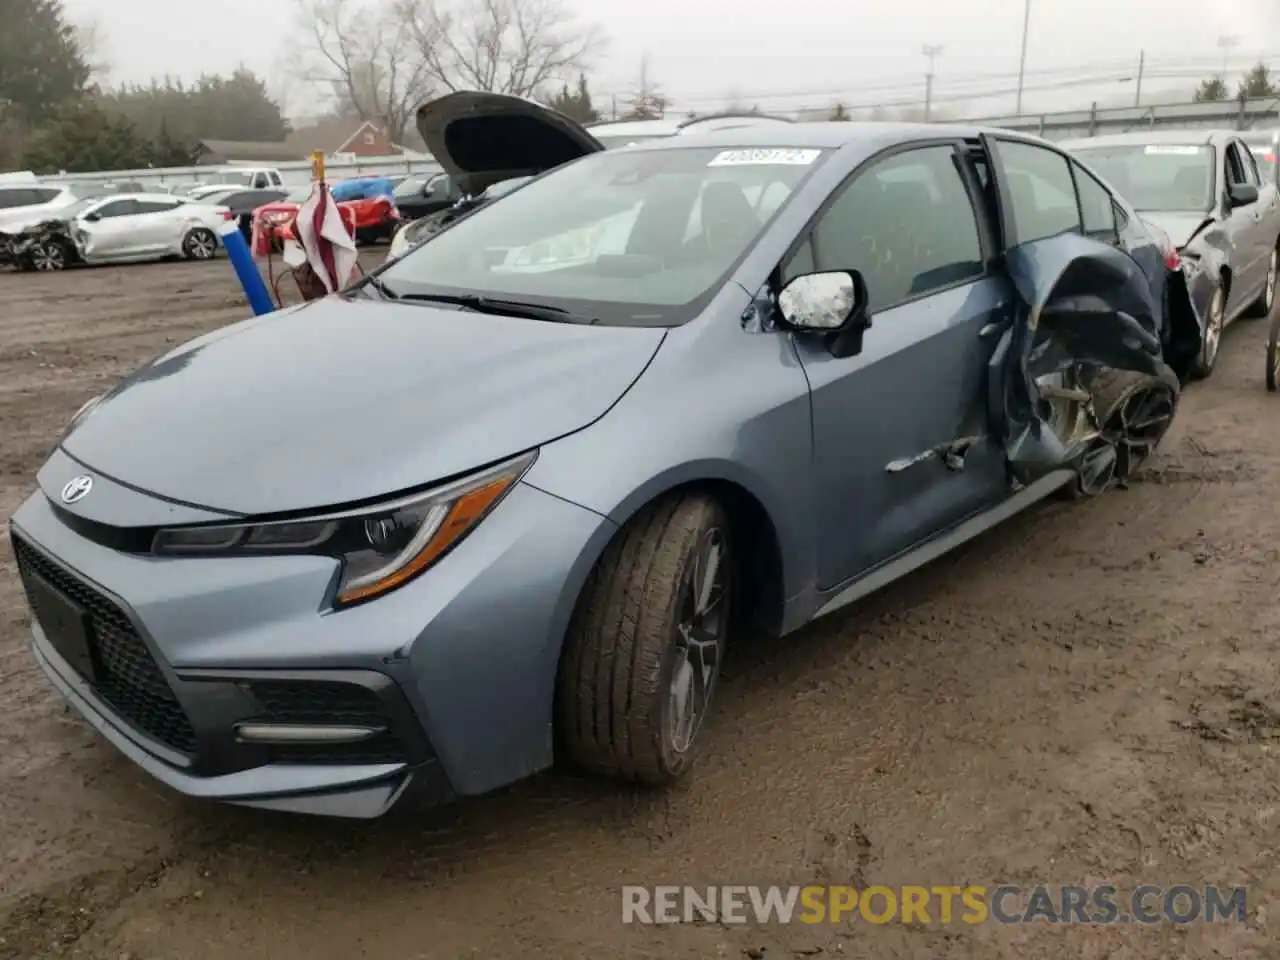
[(484, 138)]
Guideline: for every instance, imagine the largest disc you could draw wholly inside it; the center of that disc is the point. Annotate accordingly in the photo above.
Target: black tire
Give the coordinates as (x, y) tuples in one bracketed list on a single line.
[(1206, 359), (1273, 355), (623, 652), (1111, 390), (200, 244)]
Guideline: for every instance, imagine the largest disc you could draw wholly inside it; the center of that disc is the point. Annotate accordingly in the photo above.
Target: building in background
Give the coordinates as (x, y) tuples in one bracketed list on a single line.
[(339, 139)]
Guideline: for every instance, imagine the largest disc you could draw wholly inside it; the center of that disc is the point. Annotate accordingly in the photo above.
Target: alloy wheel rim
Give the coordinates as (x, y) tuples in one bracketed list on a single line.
[(47, 257), (1136, 428), (1213, 329), (201, 248), (699, 640)]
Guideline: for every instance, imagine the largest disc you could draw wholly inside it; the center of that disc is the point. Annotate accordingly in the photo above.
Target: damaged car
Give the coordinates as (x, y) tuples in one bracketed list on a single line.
[(121, 229), (1205, 191), (508, 499)]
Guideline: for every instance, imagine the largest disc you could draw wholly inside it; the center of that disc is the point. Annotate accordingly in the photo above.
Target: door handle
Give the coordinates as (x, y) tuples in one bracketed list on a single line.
[(994, 329)]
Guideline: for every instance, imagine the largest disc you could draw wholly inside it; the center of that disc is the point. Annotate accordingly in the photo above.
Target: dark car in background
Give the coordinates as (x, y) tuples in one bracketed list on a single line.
[(422, 194), (1208, 193), (242, 202)]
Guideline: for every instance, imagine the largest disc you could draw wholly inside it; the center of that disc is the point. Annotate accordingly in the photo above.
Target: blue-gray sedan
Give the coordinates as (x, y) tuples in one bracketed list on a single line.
[(508, 500)]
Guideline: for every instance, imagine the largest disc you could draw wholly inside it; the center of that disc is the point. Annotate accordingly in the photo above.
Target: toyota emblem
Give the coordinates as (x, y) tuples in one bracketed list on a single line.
[(77, 488)]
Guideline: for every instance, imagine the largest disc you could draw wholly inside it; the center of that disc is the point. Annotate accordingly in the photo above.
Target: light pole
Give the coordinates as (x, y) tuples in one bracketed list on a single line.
[(1227, 44), (1022, 59), (931, 51)]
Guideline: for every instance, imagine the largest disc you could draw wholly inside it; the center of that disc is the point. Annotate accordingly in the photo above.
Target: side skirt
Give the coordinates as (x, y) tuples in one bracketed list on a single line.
[(930, 550)]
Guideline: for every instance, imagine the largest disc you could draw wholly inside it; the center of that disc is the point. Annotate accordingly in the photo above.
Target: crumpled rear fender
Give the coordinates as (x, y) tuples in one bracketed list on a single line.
[(1080, 302), (1190, 293)]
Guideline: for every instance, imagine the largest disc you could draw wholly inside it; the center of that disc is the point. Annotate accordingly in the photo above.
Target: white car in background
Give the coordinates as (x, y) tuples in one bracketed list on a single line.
[(121, 228)]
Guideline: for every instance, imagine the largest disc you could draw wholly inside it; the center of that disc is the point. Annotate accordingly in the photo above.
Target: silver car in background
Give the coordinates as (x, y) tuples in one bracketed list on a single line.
[(121, 228)]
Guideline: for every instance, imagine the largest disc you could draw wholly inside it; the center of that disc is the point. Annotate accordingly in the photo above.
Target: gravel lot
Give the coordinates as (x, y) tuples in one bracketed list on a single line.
[(1089, 694)]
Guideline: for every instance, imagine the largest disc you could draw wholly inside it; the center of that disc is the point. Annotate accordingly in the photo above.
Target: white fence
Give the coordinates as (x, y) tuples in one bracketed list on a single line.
[(294, 173)]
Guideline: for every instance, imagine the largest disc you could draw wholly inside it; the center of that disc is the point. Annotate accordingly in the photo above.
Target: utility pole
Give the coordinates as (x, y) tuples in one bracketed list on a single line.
[(1022, 59), (1137, 93), (1227, 44), (931, 51)]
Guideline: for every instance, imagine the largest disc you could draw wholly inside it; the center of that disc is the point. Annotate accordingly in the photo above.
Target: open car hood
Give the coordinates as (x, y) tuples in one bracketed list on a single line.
[(484, 138)]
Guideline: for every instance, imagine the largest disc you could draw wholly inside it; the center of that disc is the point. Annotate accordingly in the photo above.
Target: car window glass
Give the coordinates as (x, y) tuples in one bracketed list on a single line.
[(765, 199), (46, 194), (17, 198), (1097, 209), (1235, 169), (1039, 186), (155, 206), (907, 224), (1250, 167), (621, 251), (116, 208), (275, 179)]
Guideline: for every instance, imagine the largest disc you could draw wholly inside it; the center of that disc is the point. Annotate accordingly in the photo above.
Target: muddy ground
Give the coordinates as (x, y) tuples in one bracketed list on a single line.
[(1089, 694)]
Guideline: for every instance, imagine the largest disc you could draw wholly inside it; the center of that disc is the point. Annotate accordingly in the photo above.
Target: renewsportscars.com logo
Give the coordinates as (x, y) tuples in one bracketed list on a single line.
[(1007, 904)]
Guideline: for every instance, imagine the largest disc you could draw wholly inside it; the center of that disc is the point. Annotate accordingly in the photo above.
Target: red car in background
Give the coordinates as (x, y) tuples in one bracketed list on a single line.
[(369, 220)]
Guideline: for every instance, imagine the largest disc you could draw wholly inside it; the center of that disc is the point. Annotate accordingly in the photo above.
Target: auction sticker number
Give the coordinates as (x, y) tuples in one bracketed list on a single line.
[(748, 158), (1172, 151)]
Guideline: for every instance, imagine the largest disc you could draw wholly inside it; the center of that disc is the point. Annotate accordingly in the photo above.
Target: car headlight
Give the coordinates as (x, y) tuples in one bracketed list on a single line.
[(381, 547), (399, 243)]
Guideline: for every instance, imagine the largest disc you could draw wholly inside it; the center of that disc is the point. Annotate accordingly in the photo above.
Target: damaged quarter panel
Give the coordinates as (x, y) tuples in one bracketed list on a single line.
[(1080, 302)]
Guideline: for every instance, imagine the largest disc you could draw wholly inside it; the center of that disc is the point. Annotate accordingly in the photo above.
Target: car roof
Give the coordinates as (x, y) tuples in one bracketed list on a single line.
[(161, 197), (1194, 138), (829, 134)]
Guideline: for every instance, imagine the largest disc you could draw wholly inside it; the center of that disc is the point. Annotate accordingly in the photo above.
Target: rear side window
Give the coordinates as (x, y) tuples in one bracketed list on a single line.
[(1097, 209), (17, 198), (1040, 188), (117, 208), (156, 206)]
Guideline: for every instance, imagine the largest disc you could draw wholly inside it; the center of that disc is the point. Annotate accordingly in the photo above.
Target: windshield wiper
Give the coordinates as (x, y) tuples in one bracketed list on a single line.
[(372, 280), (504, 308)]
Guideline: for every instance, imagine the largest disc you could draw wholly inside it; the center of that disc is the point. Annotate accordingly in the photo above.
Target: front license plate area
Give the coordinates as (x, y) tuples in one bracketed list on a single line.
[(65, 623)]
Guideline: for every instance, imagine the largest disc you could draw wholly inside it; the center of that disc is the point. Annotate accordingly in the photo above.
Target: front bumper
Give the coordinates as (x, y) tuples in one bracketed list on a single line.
[(455, 671)]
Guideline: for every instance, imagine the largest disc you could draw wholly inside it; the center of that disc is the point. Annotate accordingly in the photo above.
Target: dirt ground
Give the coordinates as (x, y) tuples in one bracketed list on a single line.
[(1089, 694)]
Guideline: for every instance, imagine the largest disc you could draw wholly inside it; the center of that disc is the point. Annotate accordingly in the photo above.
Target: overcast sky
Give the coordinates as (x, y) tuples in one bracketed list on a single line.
[(781, 55)]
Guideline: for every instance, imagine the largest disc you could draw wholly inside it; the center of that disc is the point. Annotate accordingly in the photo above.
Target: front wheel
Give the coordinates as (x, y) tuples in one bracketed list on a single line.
[(49, 255), (643, 653)]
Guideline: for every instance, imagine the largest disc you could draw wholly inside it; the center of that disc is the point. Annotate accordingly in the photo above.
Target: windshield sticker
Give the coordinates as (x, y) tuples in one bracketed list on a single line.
[(750, 158), (1160, 148)]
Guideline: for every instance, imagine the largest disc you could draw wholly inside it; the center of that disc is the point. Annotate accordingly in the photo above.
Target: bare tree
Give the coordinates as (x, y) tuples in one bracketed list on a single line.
[(91, 43), (517, 47), (359, 50), (647, 103)]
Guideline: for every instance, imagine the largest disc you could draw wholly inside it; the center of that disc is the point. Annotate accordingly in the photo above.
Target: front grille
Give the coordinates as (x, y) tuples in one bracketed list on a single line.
[(129, 681), (325, 702)]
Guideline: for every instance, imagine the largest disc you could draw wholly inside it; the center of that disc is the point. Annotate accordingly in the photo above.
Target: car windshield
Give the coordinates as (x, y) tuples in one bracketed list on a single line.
[(614, 140), (647, 237), (77, 208), (1156, 177), (411, 187)]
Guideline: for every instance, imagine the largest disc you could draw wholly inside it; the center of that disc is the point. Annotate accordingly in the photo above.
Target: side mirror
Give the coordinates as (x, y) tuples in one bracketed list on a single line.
[(1242, 194), (832, 304)]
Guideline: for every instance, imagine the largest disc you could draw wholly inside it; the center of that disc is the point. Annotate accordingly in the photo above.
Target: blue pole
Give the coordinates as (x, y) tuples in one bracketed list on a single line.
[(255, 288)]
